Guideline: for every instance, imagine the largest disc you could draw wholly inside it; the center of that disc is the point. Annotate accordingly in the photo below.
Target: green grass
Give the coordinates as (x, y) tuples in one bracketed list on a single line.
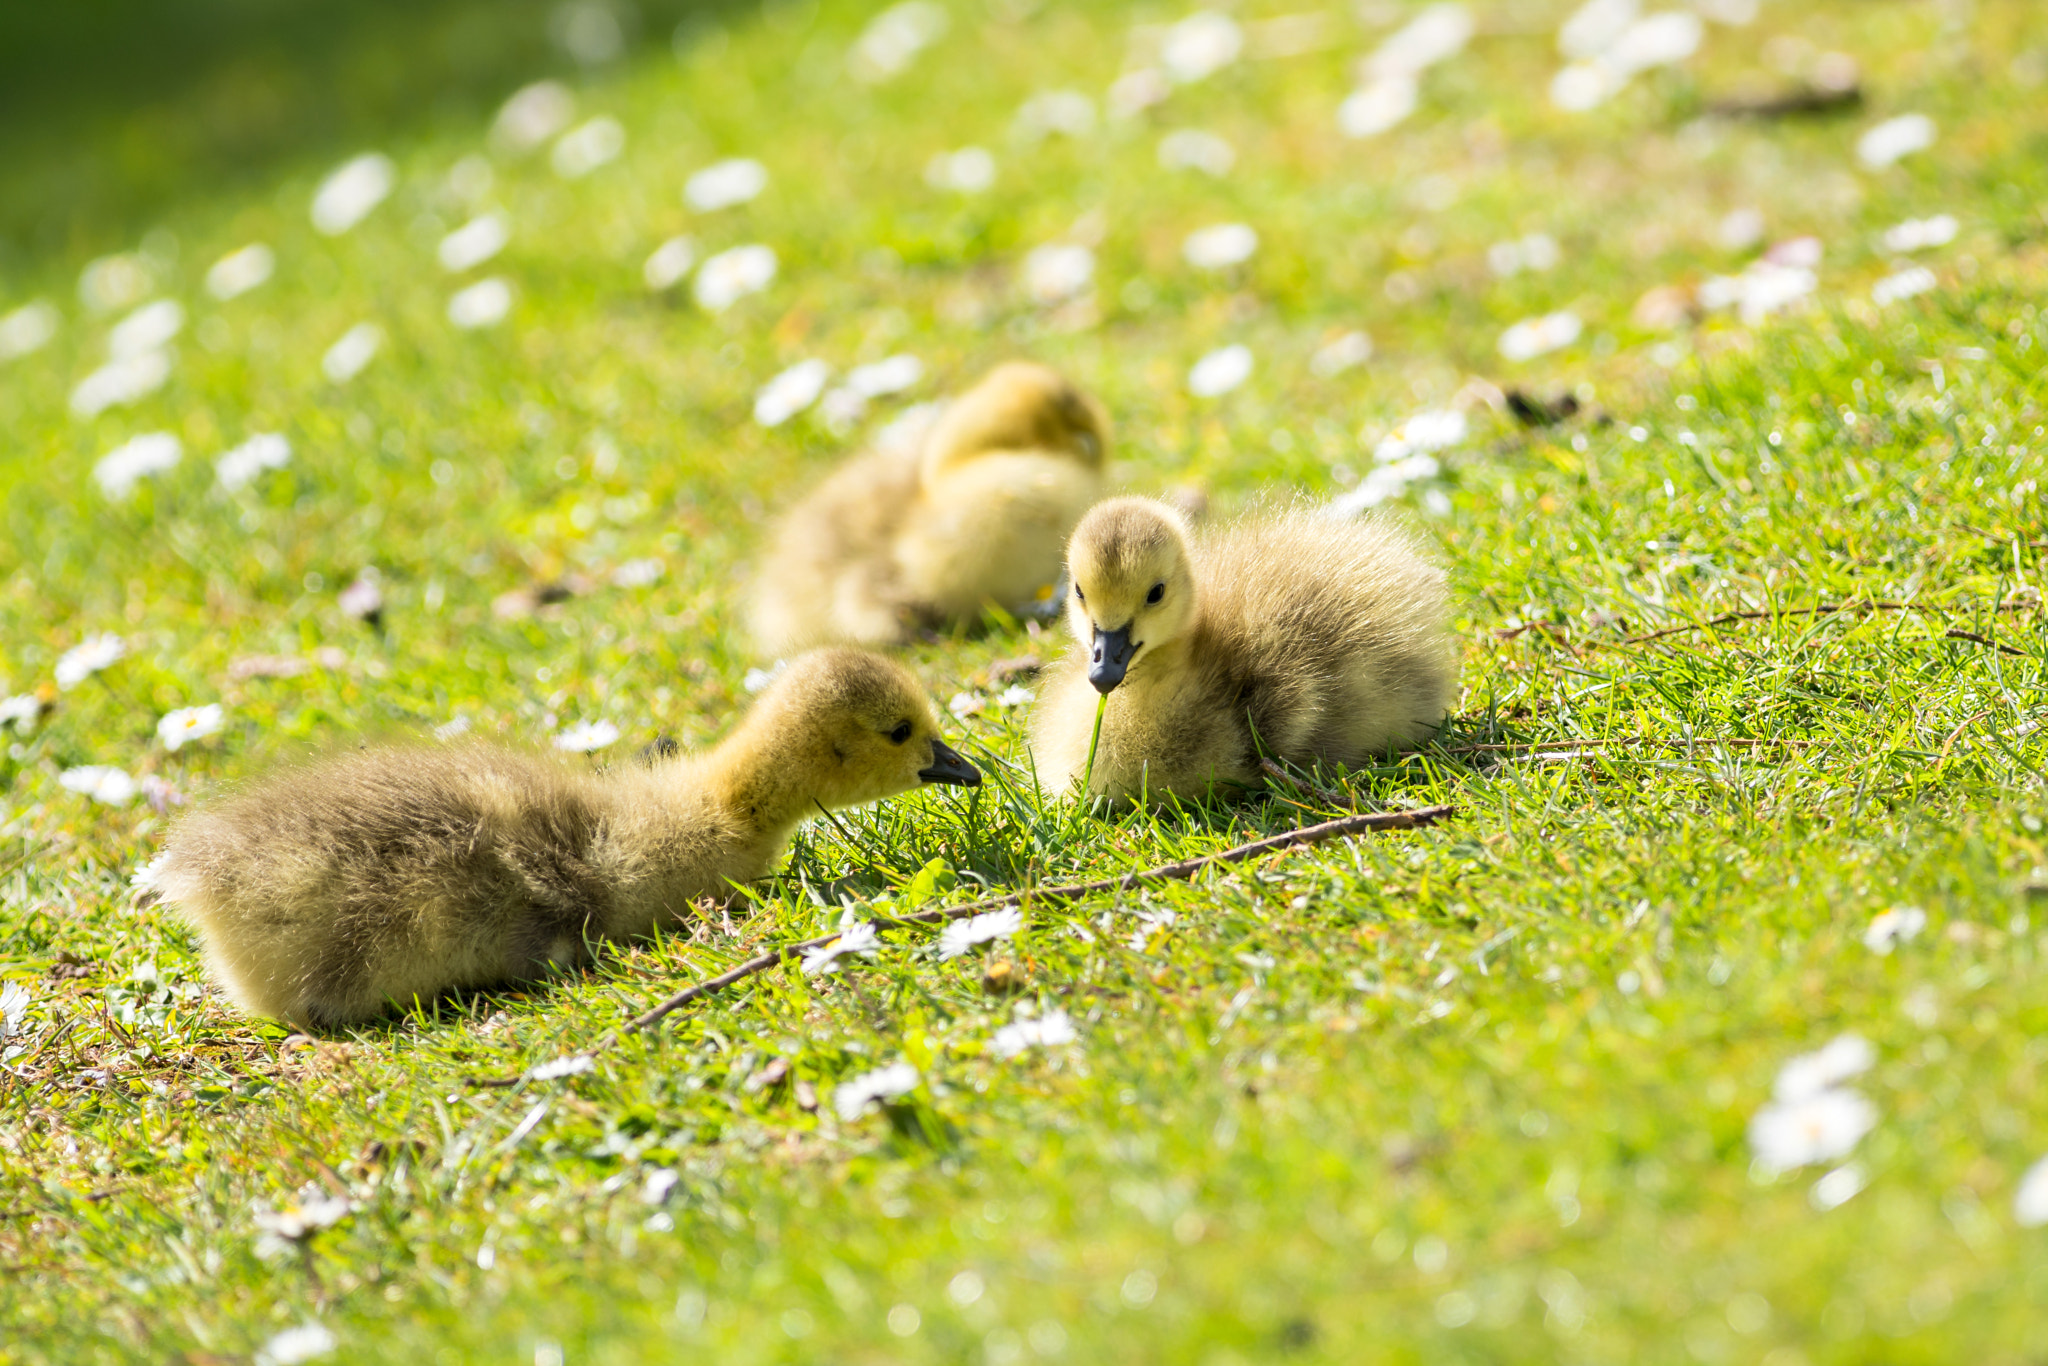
[(1467, 1094)]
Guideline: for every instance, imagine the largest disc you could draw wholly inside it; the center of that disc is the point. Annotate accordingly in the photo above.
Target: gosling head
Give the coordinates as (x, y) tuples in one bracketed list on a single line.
[(851, 727), (1017, 406), (1133, 590)]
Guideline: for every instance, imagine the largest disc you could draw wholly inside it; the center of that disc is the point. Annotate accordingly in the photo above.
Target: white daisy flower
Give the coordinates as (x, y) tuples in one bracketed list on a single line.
[(574, 1065), (1740, 229), (28, 328), (363, 599), (240, 271), (884, 1083), (109, 786), (307, 1342), (1899, 925), (348, 195), (1538, 251), (1662, 39), (1839, 1186), (1057, 272), (1434, 430), (1822, 1127), (893, 38), (641, 573), (669, 263), (148, 328), (2030, 1201), (532, 115), (857, 940), (112, 282), (1067, 112), (731, 275), (14, 1000), (1381, 483), (1594, 27), (1902, 284), (790, 392), (970, 170), (757, 679), (1377, 106), (179, 728), (87, 658), (1016, 695), (1437, 34), (120, 382), (263, 451), (1583, 85), (585, 736), (1886, 142), (723, 184), (310, 1211), (1195, 149), (482, 304), (965, 704), (1918, 234), (588, 146), (353, 350), (475, 242), (1132, 93), (1049, 1030), (119, 470), (1345, 352), (1201, 45), (1533, 337), (20, 711), (1220, 246), (1220, 371), (1809, 1074), (961, 935), (883, 377)]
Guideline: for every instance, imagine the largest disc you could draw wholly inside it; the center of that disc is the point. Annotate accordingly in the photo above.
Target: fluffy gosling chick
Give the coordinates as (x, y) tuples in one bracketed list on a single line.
[(1287, 633), (978, 512), (328, 892)]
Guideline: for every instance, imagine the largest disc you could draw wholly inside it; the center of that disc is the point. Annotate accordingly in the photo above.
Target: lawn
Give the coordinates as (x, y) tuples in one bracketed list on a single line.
[(1745, 529)]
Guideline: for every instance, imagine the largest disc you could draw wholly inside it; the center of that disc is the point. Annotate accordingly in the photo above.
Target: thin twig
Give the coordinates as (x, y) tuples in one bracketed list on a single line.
[(1825, 609), (1168, 872), (1973, 637), (1538, 746)]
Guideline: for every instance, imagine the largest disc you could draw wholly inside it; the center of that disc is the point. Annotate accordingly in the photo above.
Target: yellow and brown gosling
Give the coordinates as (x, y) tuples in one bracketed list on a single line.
[(330, 892), (1288, 634), (932, 534)]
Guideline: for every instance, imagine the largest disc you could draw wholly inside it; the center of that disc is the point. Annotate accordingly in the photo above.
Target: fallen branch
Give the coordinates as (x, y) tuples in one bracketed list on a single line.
[(1166, 872), (1825, 609), (1973, 637)]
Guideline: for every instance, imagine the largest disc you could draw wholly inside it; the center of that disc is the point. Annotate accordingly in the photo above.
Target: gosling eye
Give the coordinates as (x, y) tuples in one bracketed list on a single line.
[(901, 734), (1079, 596), (1158, 592)]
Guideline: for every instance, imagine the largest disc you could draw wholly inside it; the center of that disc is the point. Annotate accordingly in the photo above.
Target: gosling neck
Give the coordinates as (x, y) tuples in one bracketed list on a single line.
[(756, 772)]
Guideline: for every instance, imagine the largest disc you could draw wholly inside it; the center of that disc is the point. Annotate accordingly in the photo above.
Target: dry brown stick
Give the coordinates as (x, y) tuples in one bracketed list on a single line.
[(1538, 746), (1973, 637), (1168, 872), (1825, 609)]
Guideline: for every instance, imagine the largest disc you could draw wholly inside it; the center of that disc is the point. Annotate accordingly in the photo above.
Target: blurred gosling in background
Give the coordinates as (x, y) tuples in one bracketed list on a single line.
[(977, 513), (1288, 633), (329, 892)]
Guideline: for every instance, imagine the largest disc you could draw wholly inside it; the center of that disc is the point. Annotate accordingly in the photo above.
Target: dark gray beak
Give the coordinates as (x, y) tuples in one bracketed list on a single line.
[(948, 767), (1110, 658)]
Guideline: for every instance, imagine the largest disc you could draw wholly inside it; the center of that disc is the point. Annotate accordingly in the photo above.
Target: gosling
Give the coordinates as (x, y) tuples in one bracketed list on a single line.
[(326, 894), (931, 534), (1288, 635)]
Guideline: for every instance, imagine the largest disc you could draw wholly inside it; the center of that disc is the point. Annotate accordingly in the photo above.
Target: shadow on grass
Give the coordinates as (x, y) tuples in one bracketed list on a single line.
[(112, 109)]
